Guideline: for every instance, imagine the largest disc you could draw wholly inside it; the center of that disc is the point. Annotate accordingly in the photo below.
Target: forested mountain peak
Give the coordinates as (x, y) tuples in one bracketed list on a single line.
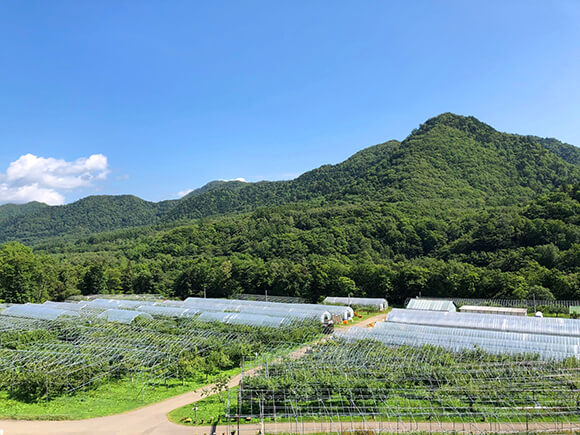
[(85, 216), (465, 123), (461, 157)]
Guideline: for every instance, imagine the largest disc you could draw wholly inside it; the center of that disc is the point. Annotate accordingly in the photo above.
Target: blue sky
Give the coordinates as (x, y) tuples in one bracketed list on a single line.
[(168, 95)]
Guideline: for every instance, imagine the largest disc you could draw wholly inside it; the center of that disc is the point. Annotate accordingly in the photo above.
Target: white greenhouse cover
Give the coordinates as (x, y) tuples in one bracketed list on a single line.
[(459, 339), (72, 306), (494, 322), (550, 338), (431, 305), (167, 311), (251, 306), (244, 319), (34, 311), (122, 316), (129, 304), (103, 303)]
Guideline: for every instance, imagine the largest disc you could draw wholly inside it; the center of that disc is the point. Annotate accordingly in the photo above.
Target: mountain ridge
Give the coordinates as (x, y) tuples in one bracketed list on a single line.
[(449, 157)]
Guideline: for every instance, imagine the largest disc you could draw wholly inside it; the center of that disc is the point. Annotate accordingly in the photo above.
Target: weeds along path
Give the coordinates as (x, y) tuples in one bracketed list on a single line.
[(151, 419)]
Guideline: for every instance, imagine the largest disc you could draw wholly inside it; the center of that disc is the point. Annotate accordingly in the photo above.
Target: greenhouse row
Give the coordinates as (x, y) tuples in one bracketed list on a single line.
[(493, 322), (229, 311), (59, 349), (548, 338)]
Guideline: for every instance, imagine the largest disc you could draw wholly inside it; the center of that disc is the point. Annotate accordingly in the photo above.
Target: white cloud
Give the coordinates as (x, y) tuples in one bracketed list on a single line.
[(183, 193), (32, 192), (186, 191), (243, 180), (33, 178), (57, 173)]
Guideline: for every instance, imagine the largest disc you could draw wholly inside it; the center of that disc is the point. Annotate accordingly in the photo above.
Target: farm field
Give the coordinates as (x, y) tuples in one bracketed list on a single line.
[(251, 363), (370, 382), (418, 367), (84, 367)]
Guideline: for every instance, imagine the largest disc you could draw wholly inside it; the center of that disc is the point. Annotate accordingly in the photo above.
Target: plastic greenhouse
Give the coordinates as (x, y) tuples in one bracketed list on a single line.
[(33, 311), (155, 310), (122, 316), (458, 339), (431, 305), (531, 325), (244, 319), (234, 305)]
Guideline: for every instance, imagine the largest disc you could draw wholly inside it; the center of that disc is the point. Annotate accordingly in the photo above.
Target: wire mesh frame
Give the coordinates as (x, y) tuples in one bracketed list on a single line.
[(91, 350), (383, 386)]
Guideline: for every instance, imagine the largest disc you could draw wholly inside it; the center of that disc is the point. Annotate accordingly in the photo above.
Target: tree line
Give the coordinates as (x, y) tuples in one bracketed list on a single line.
[(373, 249)]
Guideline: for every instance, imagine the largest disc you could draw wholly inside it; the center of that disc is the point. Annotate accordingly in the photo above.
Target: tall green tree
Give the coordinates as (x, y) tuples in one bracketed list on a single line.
[(20, 276)]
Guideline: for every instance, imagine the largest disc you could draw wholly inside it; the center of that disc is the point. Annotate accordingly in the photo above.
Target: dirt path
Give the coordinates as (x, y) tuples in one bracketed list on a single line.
[(151, 419), (365, 323), (392, 427)]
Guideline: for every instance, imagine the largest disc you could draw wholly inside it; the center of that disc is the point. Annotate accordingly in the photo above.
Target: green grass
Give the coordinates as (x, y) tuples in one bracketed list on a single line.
[(212, 409), (113, 397), (209, 410)]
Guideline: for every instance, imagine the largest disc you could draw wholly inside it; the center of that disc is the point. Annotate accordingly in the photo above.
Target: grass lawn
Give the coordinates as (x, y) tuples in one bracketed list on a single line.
[(208, 410), (113, 397)]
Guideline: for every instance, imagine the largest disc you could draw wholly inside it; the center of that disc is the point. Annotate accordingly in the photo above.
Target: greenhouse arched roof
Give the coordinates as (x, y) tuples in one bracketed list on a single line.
[(122, 316), (33, 311), (497, 322)]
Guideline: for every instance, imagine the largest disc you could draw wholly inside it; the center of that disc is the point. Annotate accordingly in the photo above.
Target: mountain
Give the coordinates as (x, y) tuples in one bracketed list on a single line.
[(216, 185), (449, 158), (93, 214), (89, 215), (455, 209), (365, 249), (13, 210), (568, 152)]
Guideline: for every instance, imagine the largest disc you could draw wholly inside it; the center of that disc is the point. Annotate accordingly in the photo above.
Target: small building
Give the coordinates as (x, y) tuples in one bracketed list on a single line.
[(431, 305), (482, 309)]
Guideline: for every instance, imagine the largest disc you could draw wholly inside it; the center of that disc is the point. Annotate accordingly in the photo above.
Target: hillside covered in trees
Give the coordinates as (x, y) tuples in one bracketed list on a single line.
[(457, 208)]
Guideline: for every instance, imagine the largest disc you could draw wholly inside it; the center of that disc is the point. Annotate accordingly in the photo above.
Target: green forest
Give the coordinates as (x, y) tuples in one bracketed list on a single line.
[(455, 209)]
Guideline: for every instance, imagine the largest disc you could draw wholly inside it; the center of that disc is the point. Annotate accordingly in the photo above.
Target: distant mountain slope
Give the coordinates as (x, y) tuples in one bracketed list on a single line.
[(217, 185), (12, 210), (89, 215), (352, 179), (449, 157), (568, 152)]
